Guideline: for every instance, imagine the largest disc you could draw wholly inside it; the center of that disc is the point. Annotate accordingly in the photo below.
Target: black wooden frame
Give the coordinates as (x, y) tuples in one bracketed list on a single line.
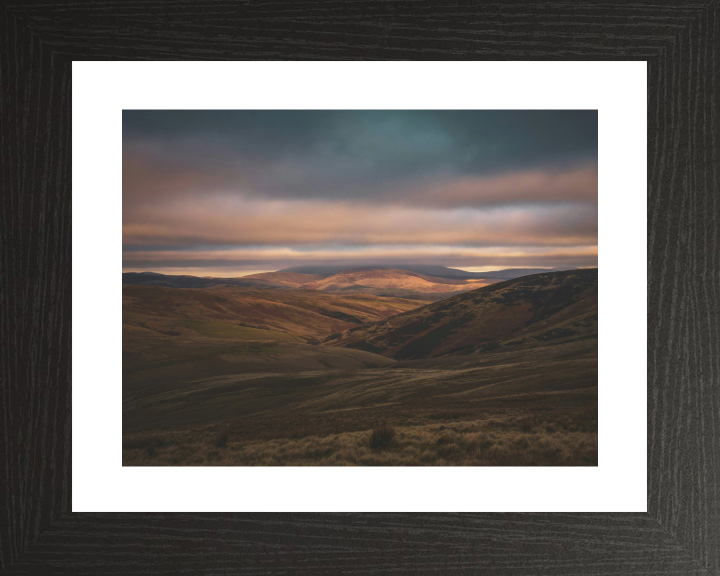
[(680, 534)]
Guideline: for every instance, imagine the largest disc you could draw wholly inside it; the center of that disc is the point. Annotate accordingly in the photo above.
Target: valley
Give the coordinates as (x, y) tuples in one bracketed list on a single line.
[(303, 371)]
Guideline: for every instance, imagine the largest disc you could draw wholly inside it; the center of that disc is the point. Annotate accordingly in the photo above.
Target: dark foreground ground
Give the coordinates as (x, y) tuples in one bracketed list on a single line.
[(285, 403)]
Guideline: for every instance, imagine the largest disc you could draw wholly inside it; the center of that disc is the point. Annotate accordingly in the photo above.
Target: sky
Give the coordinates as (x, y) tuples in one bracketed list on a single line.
[(234, 192)]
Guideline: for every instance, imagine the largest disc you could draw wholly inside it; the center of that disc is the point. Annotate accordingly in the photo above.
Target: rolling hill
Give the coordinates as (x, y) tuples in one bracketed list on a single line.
[(430, 270), (547, 308), (169, 281), (171, 335), (250, 313), (416, 282), (376, 281), (286, 279)]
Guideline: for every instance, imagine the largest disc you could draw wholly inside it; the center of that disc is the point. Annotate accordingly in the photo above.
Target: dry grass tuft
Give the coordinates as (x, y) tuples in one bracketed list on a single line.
[(221, 438), (527, 423), (447, 439), (381, 437), (462, 414), (147, 443)]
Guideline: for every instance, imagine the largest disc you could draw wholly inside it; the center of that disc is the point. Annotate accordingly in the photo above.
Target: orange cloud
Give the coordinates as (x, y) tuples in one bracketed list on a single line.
[(226, 219)]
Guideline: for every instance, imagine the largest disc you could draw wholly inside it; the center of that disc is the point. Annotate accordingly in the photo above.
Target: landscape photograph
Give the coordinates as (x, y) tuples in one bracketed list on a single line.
[(360, 288)]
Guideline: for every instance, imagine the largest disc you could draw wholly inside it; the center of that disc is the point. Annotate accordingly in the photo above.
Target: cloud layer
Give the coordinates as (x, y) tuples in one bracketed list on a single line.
[(232, 219), (263, 190)]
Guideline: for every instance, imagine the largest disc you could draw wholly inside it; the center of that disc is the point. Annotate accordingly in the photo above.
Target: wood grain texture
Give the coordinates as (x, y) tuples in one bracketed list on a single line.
[(681, 531)]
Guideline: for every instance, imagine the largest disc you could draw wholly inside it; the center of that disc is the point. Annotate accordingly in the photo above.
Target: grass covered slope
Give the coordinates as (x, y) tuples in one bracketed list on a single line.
[(223, 311), (198, 382), (528, 407), (173, 335), (528, 311)]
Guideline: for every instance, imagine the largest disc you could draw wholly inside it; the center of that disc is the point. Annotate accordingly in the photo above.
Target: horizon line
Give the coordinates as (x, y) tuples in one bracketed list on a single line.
[(269, 271)]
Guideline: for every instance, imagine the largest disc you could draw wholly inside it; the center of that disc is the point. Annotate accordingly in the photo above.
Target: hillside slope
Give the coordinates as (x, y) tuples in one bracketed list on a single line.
[(249, 313), (552, 307), (291, 279)]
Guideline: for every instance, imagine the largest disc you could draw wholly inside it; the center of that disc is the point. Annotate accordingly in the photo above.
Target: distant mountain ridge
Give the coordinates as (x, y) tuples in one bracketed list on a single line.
[(169, 281), (551, 307), (429, 270), (415, 282)]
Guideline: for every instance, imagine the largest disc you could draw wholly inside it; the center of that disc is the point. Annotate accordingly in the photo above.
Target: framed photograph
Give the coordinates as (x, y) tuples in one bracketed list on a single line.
[(374, 316), (287, 298)]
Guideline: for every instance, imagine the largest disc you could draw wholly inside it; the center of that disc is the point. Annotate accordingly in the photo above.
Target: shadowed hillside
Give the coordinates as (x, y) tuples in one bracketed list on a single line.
[(553, 307)]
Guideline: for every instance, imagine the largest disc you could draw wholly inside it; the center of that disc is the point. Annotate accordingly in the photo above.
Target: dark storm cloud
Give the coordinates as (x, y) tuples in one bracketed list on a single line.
[(346, 154), (508, 137)]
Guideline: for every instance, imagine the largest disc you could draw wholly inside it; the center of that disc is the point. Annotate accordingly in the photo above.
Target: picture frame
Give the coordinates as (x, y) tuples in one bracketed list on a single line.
[(681, 530)]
